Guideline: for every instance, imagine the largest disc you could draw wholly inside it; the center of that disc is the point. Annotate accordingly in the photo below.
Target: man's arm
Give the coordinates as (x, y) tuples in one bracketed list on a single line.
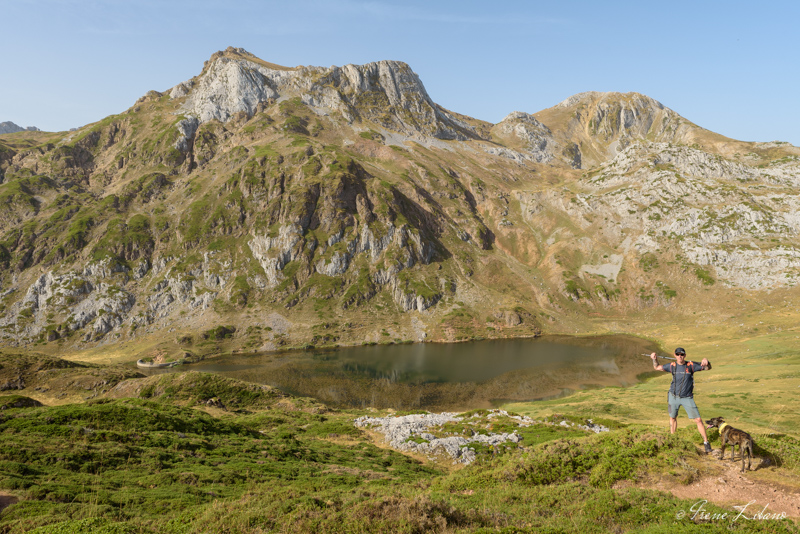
[(655, 363), (705, 365)]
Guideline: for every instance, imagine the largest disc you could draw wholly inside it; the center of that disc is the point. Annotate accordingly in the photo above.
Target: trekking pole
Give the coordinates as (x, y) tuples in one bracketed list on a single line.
[(665, 357)]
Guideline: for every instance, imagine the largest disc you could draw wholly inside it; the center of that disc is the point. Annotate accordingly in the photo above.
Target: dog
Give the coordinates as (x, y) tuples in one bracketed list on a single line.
[(734, 436)]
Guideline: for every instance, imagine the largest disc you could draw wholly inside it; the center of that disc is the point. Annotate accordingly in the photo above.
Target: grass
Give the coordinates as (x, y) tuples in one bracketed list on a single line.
[(142, 463), (241, 290), (15, 195), (136, 465), (648, 262), (219, 333), (704, 276)]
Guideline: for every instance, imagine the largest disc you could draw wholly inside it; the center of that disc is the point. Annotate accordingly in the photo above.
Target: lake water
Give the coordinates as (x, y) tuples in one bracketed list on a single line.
[(437, 376)]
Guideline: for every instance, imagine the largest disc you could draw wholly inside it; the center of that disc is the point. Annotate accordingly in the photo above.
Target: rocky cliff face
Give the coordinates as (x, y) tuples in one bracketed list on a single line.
[(342, 205), (387, 92), (686, 199)]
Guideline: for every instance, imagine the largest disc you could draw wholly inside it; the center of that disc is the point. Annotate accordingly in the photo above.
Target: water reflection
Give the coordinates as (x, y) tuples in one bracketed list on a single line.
[(444, 376)]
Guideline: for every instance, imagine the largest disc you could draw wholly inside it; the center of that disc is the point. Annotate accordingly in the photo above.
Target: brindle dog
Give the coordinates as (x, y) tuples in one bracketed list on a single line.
[(734, 436)]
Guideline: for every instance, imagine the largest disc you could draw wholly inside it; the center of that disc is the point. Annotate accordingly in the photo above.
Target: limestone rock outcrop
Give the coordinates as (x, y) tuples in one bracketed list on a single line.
[(387, 92), (688, 198), (538, 141)]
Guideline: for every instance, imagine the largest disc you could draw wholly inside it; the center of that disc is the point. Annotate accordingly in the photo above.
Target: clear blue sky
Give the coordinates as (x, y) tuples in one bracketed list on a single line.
[(732, 67)]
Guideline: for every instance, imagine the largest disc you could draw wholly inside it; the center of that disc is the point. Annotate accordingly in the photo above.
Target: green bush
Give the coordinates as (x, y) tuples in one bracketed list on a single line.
[(648, 262), (219, 333), (604, 459), (704, 276)]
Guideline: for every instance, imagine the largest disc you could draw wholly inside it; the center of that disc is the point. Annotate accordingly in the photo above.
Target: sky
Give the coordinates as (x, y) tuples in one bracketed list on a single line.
[(730, 67)]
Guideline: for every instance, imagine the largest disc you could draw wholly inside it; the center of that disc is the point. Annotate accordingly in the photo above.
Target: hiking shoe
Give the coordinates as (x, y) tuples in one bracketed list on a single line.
[(707, 447)]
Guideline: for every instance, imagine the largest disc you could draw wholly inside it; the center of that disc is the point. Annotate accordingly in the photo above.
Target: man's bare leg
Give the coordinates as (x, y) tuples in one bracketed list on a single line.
[(673, 425), (701, 428)]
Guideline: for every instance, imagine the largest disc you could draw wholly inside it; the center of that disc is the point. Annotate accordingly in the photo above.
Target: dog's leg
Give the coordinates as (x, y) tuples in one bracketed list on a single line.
[(722, 449), (749, 453), (742, 447)]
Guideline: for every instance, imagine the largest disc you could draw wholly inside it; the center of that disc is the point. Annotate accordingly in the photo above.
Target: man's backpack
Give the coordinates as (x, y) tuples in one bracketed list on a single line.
[(689, 367)]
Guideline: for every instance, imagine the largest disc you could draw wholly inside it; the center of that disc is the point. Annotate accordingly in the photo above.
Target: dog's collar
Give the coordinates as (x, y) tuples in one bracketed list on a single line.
[(723, 425)]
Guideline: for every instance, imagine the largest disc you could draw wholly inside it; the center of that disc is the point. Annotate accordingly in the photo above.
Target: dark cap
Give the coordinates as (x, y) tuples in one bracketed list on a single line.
[(679, 350)]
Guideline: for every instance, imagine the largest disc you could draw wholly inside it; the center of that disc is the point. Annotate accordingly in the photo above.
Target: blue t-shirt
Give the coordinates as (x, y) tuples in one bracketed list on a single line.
[(682, 378)]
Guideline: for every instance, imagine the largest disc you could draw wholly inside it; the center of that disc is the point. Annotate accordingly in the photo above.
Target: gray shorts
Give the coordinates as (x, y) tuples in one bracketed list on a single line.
[(688, 404)]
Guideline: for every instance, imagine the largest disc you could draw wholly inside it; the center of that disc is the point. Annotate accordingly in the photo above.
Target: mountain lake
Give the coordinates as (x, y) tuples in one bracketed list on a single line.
[(440, 376)]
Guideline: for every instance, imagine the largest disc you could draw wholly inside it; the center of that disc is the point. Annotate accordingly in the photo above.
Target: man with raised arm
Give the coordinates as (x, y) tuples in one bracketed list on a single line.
[(681, 391)]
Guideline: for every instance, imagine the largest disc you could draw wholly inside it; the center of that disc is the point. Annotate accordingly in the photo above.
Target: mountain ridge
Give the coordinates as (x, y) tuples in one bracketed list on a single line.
[(266, 196)]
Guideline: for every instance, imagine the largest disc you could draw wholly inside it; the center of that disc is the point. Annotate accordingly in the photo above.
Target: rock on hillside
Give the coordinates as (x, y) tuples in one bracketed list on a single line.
[(678, 197), (534, 139)]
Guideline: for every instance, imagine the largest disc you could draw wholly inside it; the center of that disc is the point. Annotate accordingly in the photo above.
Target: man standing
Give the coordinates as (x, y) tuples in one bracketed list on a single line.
[(681, 391)]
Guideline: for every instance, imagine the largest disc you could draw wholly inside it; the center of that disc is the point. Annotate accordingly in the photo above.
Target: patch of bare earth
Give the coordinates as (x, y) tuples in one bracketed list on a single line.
[(6, 500), (761, 490)]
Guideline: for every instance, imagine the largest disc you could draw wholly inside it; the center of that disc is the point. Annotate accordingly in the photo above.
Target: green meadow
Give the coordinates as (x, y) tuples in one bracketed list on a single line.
[(156, 457)]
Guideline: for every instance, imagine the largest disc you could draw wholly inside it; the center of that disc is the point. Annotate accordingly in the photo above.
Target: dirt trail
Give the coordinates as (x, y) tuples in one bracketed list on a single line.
[(733, 488), (764, 490)]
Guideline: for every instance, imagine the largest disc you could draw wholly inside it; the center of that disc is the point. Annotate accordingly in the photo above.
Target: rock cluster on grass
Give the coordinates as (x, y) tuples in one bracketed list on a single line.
[(589, 426), (410, 433), (401, 431)]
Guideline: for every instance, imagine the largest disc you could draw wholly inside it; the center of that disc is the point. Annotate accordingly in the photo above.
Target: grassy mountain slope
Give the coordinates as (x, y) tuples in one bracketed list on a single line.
[(316, 206)]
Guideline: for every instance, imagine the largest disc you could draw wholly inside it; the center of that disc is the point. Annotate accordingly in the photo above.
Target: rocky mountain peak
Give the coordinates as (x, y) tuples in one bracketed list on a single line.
[(10, 127), (615, 114), (521, 116), (609, 97), (233, 52), (387, 93), (602, 123)]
